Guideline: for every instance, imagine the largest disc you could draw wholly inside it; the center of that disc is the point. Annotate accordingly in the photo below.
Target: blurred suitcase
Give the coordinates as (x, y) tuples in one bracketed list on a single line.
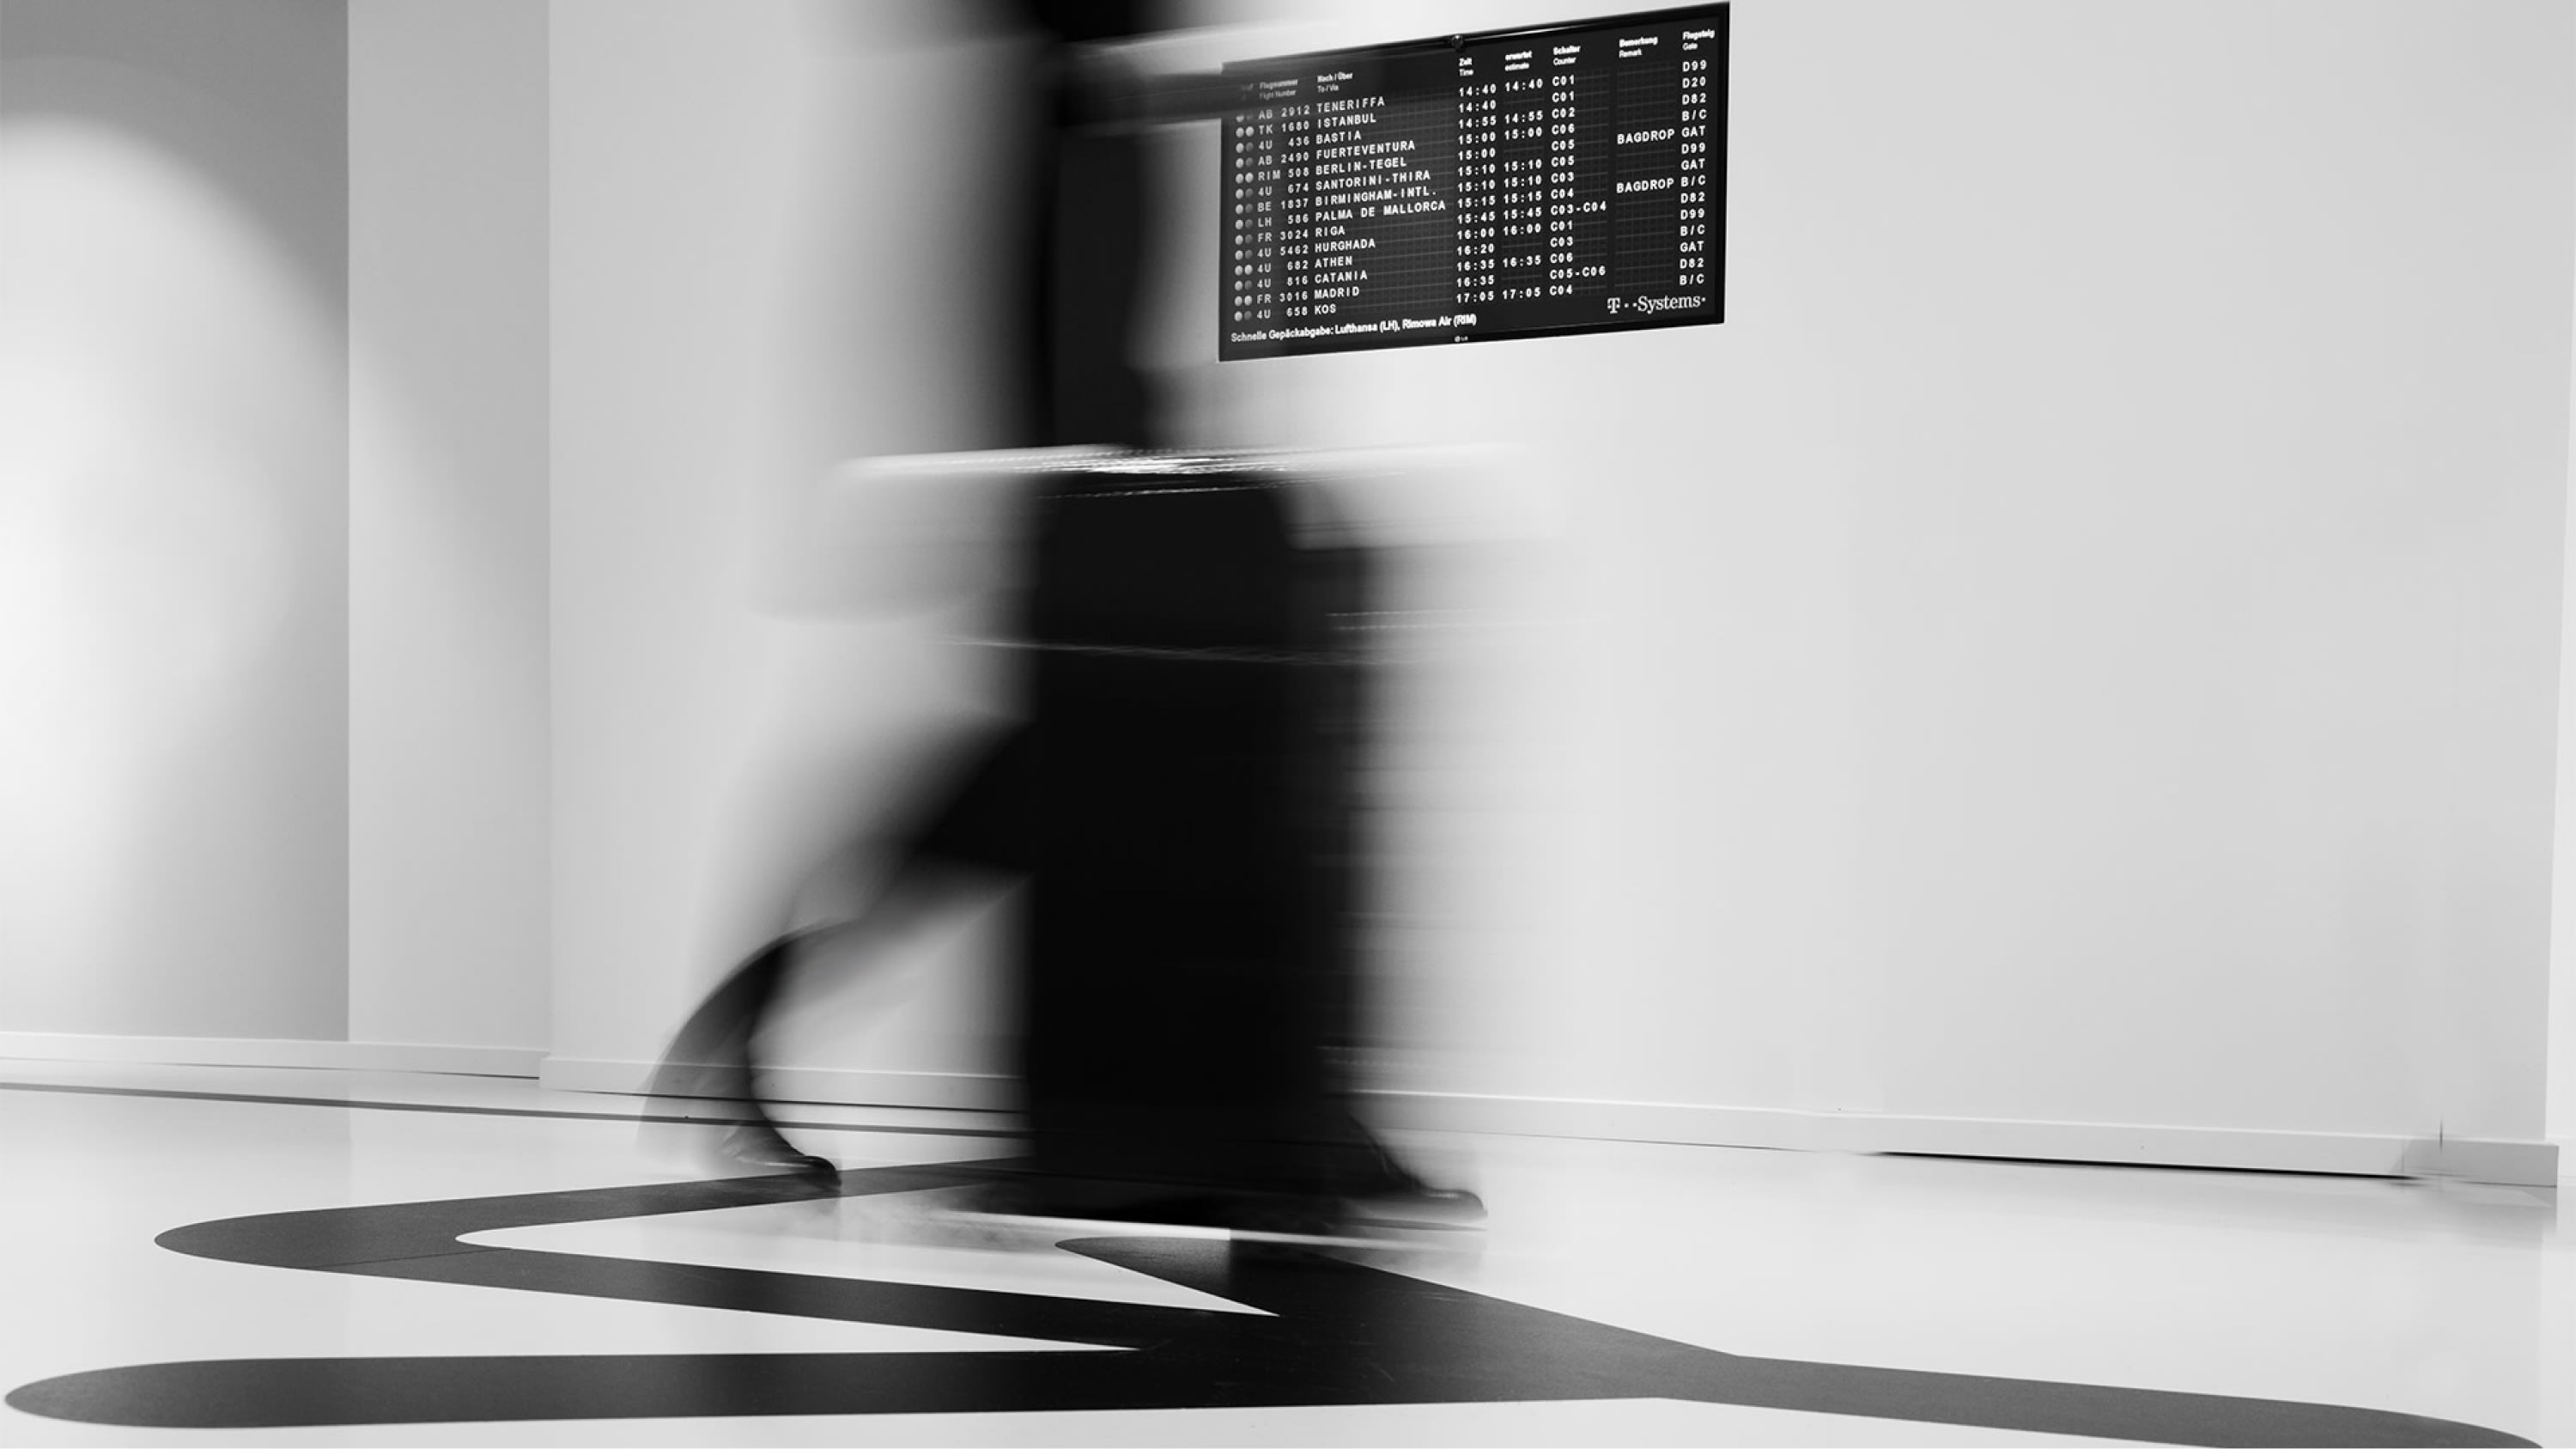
[(1187, 975)]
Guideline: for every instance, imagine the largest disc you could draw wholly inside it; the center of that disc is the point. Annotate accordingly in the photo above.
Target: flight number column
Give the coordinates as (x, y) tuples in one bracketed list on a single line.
[(1257, 150), (1294, 228)]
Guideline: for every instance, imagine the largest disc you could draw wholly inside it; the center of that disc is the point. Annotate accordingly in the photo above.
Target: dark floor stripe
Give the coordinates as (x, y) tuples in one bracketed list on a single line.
[(706, 1120), (1331, 1332)]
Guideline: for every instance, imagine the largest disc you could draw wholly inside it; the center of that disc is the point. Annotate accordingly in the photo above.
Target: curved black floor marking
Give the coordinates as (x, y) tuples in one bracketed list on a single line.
[(1340, 1334)]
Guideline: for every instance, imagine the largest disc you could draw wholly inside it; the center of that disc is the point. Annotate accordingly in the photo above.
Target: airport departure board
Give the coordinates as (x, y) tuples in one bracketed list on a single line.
[(1476, 187)]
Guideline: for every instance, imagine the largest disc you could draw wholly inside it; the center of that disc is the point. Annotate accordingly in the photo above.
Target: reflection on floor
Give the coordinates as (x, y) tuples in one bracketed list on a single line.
[(238, 1255)]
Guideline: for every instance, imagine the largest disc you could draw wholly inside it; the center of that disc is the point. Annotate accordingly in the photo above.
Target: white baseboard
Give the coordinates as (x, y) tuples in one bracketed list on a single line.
[(2527, 1164), (2530, 1164), (950, 1091), (208, 1051)]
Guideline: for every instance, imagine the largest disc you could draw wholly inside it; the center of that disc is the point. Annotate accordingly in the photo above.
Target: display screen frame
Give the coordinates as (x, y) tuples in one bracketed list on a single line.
[(1423, 54)]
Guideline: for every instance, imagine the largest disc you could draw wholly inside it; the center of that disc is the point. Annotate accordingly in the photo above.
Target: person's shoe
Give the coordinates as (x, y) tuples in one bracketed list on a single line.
[(1419, 1207), (1382, 1192), (761, 1146)]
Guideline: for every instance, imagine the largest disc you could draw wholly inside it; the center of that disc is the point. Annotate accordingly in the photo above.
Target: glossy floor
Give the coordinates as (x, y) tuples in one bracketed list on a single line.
[(466, 1248)]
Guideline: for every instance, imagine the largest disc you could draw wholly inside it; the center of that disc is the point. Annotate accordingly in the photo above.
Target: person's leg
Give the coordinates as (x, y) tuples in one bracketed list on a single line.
[(711, 1057), (970, 836)]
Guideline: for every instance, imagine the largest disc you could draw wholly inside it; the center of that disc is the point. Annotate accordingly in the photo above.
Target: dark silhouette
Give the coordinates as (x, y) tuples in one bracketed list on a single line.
[(1177, 797)]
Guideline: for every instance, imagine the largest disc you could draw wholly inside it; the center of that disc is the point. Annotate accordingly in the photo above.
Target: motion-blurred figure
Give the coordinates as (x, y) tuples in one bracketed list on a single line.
[(1178, 795)]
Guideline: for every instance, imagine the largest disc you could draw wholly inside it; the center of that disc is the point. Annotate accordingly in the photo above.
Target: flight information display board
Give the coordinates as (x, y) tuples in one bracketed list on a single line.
[(1510, 184)]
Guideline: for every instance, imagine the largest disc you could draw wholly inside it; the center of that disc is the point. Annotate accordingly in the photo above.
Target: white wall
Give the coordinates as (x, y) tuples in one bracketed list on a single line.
[(173, 546), (2079, 643), (448, 843)]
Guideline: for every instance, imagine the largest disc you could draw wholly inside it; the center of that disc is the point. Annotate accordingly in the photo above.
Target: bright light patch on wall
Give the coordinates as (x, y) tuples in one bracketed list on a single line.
[(160, 376)]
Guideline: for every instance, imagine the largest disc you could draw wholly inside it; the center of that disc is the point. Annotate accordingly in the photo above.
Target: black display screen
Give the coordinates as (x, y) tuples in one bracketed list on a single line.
[(1509, 184)]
